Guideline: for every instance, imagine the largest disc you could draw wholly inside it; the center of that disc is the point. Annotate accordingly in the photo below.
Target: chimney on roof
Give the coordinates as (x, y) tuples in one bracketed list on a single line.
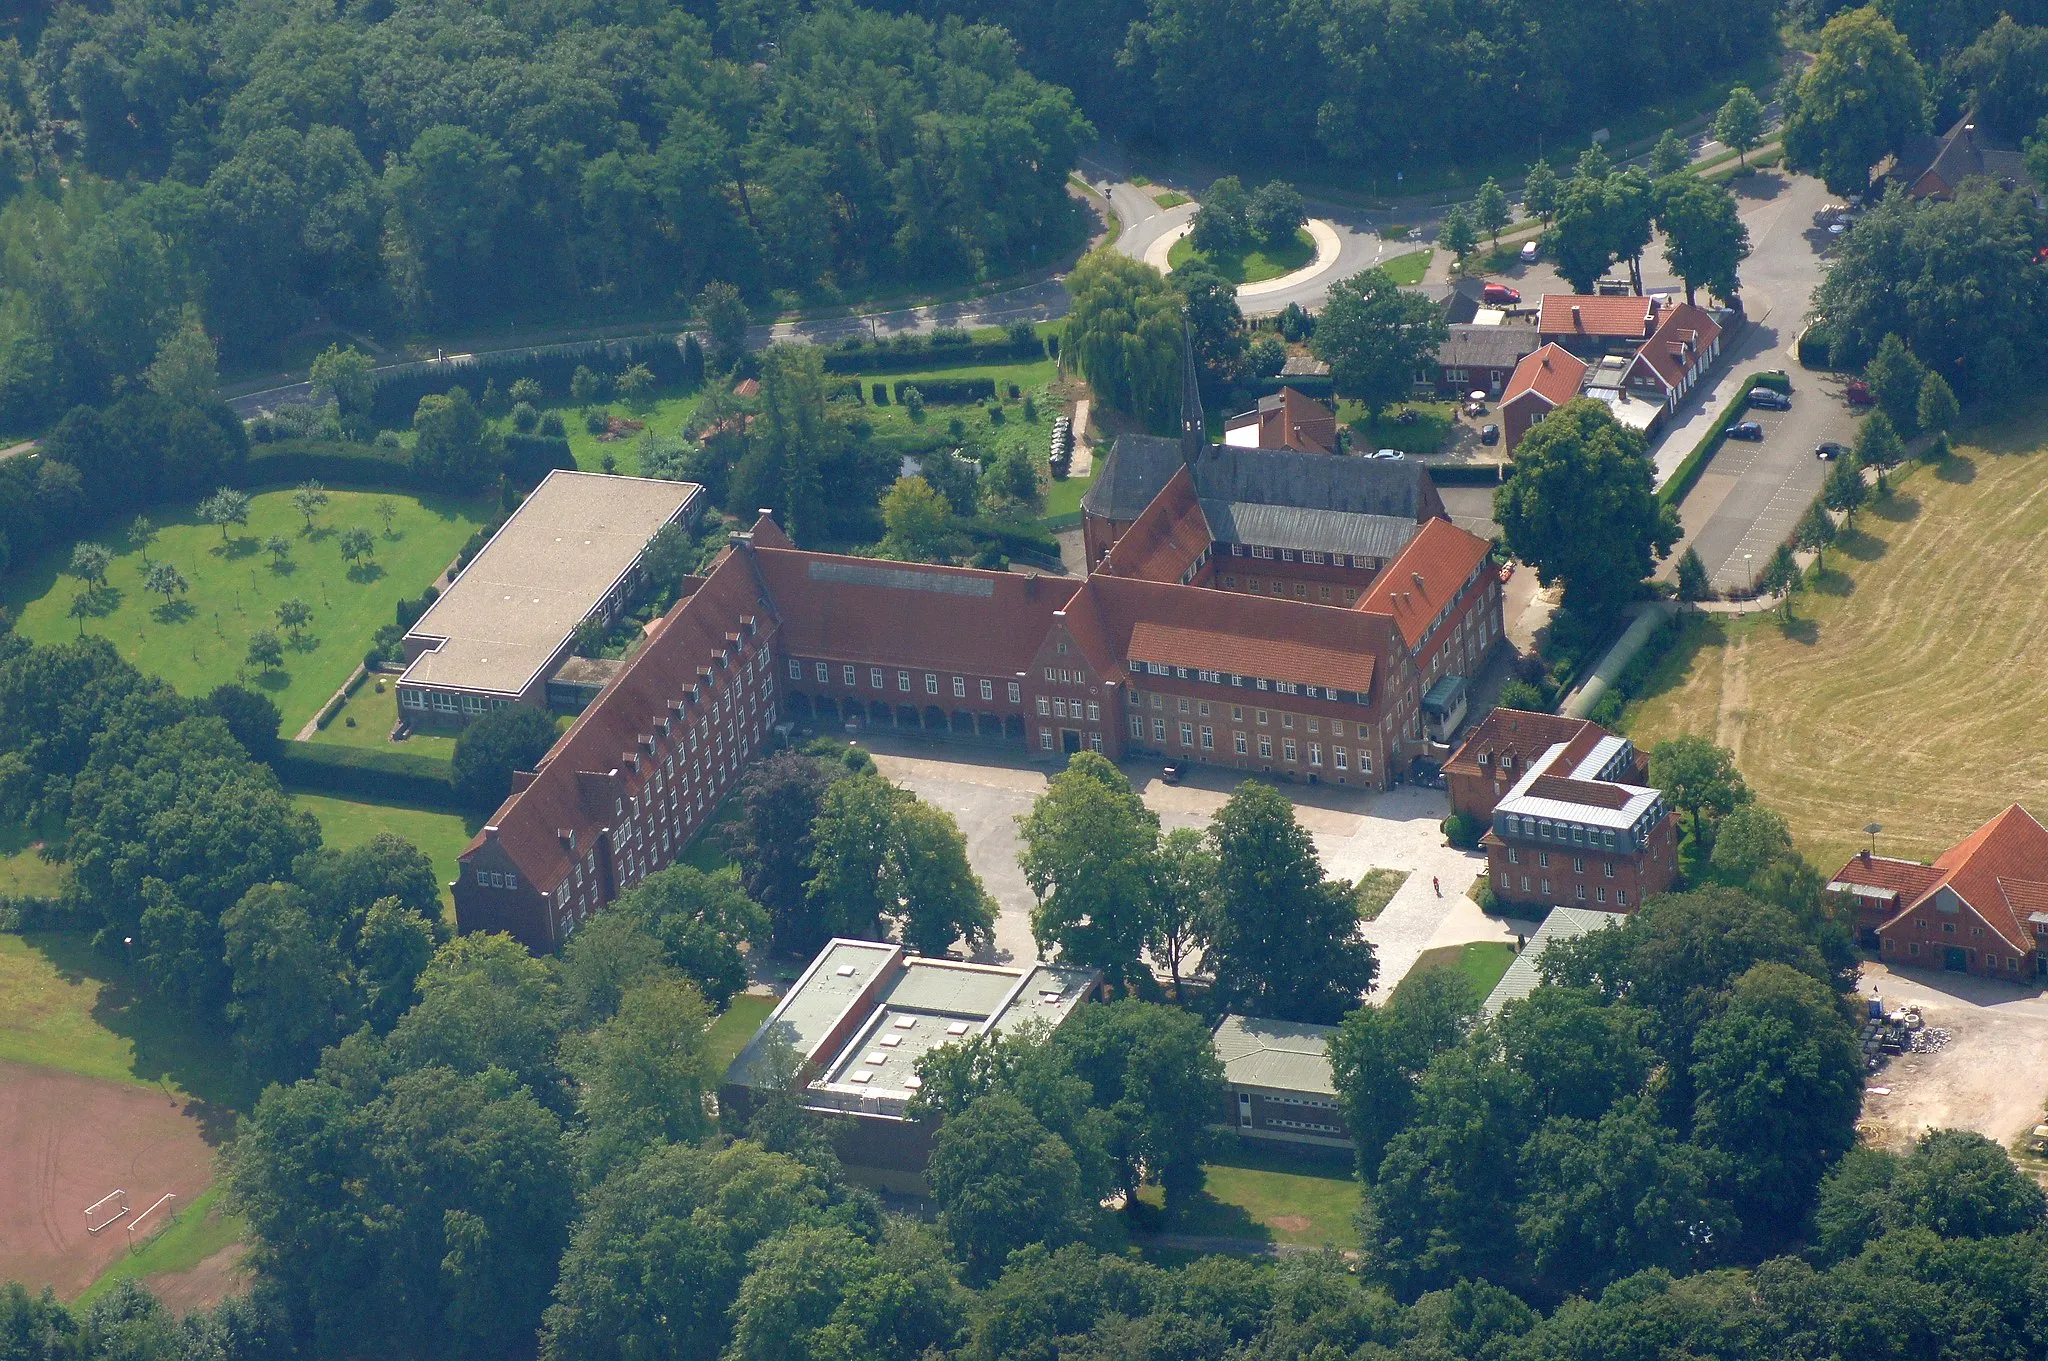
[(520, 780), (1970, 135), (1575, 312), (1031, 585), (1865, 853), (1418, 579), (567, 836)]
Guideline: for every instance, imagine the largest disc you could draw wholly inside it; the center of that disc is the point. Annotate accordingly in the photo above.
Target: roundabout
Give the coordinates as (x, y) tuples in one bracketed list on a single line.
[(1335, 246)]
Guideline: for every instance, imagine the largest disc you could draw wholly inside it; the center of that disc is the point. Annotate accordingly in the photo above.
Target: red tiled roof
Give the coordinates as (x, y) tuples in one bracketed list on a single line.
[(1581, 314), (2000, 870), (958, 618), (1299, 662), (1246, 634), (692, 633), (1167, 539), (1520, 734), (1683, 332), (1593, 793), (1551, 372), (1907, 878), (1291, 420), (1416, 586)]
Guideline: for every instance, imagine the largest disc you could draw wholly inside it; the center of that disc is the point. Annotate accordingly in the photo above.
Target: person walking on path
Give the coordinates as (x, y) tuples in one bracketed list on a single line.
[(1435, 884)]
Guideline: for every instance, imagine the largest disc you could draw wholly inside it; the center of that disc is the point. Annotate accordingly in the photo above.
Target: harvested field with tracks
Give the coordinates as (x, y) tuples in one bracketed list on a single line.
[(1911, 689)]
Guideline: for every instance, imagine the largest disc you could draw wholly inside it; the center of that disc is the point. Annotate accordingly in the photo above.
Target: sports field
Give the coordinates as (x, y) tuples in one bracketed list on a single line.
[(1910, 689), (201, 638)]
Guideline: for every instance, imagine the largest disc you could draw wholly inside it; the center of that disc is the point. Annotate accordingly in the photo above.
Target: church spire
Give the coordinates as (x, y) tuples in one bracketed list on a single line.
[(1193, 436)]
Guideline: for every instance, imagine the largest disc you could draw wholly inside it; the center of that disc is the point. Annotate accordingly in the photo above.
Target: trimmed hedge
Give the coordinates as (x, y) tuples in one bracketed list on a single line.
[(1685, 474), (335, 462), (385, 776), (530, 458), (396, 391), (919, 352), (949, 391)]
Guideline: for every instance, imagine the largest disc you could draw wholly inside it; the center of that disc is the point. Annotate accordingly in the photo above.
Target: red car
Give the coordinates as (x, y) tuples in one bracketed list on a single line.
[(1500, 295), (1858, 393)]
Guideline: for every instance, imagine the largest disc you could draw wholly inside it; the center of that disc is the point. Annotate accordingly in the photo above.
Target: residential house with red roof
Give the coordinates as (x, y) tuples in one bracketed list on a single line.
[(1591, 326), (1677, 355), (1286, 419), (1981, 907), (1545, 380)]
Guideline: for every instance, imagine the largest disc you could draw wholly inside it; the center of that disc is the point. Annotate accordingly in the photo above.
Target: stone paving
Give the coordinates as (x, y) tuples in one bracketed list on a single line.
[(1354, 831)]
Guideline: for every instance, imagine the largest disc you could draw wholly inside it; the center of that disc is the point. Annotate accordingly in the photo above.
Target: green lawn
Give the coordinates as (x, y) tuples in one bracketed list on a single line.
[(1033, 378), (375, 715), (707, 852), (235, 587), (1064, 497), (1409, 268), (1480, 962), (665, 415), (1376, 888), (731, 1031), (1254, 265), (351, 822), (1267, 1195), (23, 871), (1169, 198), (191, 1236), (63, 1005), (1426, 434)]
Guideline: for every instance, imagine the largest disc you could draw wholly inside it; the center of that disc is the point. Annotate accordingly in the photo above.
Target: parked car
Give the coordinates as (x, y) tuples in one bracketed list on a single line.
[(1769, 399), (1489, 434), (1530, 250), (1857, 393), (1749, 430), (1389, 453), (1500, 295), (1830, 451), (1173, 773)]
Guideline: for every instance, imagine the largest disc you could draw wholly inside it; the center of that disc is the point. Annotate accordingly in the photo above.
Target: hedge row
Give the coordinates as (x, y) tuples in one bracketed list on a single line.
[(949, 391), (528, 459), (29, 913), (918, 352), (385, 776), (1013, 539), (1688, 472), (398, 389)]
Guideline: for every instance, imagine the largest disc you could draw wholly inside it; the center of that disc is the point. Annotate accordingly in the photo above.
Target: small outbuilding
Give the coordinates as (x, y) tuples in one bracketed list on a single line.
[(1280, 1087)]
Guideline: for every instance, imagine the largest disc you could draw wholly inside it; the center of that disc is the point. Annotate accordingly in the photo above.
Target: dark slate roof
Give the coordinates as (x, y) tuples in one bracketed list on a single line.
[(1962, 153), (1461, 301), (1487, 347), (1139, 465), (1325, 531)]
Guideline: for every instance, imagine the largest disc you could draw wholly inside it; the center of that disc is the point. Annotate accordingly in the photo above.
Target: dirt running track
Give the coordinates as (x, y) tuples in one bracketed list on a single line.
[(65, 1141)]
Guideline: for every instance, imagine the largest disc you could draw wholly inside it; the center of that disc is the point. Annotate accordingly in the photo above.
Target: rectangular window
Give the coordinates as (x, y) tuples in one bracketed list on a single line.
[(1543, 859), (1187, 734), (1095, 741), (1315, 753), (1265, 747), (1208, 739), (903, 681), (1262, 718), (1059, 708), (1094, 712), (1365, 760), (1137, 728), (1582, 893), (1016, 693), (1288, 746), (1609, 868), (875, 677), (1044, 706), (1599, 895), (1158, 730), (483, 877), (988, 690), (1578, 864), (1185, 707), (1514, 856), (849, 676), (796, 669), (824, 673), (1045, 739), (1621, 899), (1237, 740), (1339, 753), (931, 683), (1287, 720), (959, 687)]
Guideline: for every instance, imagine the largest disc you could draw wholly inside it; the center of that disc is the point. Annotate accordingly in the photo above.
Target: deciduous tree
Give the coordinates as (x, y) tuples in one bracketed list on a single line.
[(1859, 101), (493, 746), (1704, 240), (1740, 123), (1002, 1181), (1374, 336), (1088, 856), (1699, 778)]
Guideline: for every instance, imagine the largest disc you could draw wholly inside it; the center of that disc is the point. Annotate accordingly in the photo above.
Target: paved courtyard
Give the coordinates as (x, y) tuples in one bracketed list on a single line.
[(1991, 1077), (1354, 831)]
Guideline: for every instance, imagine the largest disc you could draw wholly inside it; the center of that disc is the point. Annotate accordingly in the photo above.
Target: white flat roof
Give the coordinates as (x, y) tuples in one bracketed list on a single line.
[(546, 569)]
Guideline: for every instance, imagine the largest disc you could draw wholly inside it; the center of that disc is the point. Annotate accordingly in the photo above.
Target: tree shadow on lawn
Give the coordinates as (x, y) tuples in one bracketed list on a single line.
[(103, 601), (363, 573), (284, 568), (1200, 1215), (1701, 631), (173, 612), (1959, 469), (1831, 581), (1860, 544), (1805, 632), (241, 546), (274, 680), (1895, 509), (170, 1045)]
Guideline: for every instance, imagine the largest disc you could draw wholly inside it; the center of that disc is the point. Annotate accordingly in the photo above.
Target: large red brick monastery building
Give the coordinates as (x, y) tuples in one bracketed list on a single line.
[(1268, 610)]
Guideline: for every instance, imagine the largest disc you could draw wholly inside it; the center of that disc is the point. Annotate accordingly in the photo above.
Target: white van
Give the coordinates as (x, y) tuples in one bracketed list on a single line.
[(1529, 252)]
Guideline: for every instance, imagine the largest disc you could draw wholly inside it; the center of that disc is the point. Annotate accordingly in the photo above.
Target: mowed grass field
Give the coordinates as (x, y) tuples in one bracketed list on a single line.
[(1479, 962), (235, 587), (1262, 1195), (345, 823), (375, 716), (1912, 688)]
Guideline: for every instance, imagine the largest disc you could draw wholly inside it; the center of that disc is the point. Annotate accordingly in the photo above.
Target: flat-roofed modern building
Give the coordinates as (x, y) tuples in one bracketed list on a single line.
[(499, 632), (859, 1019), (1278, 1077)]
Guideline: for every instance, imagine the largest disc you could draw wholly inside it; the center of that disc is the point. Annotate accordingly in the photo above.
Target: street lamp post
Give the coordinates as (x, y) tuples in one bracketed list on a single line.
[(1748, 573)]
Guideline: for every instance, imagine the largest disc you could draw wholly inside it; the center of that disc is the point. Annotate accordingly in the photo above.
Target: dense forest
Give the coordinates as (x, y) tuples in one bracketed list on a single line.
[(444, 162)]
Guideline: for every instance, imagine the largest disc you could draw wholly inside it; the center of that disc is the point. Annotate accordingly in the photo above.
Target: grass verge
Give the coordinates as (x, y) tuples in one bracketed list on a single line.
[(734, 1027), (1267, 1196), (1409, 268), (375, 715)]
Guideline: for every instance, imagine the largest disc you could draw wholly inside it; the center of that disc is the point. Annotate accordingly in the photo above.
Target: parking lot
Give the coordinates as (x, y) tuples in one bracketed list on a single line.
[(1354, 831), (1753, 493)]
